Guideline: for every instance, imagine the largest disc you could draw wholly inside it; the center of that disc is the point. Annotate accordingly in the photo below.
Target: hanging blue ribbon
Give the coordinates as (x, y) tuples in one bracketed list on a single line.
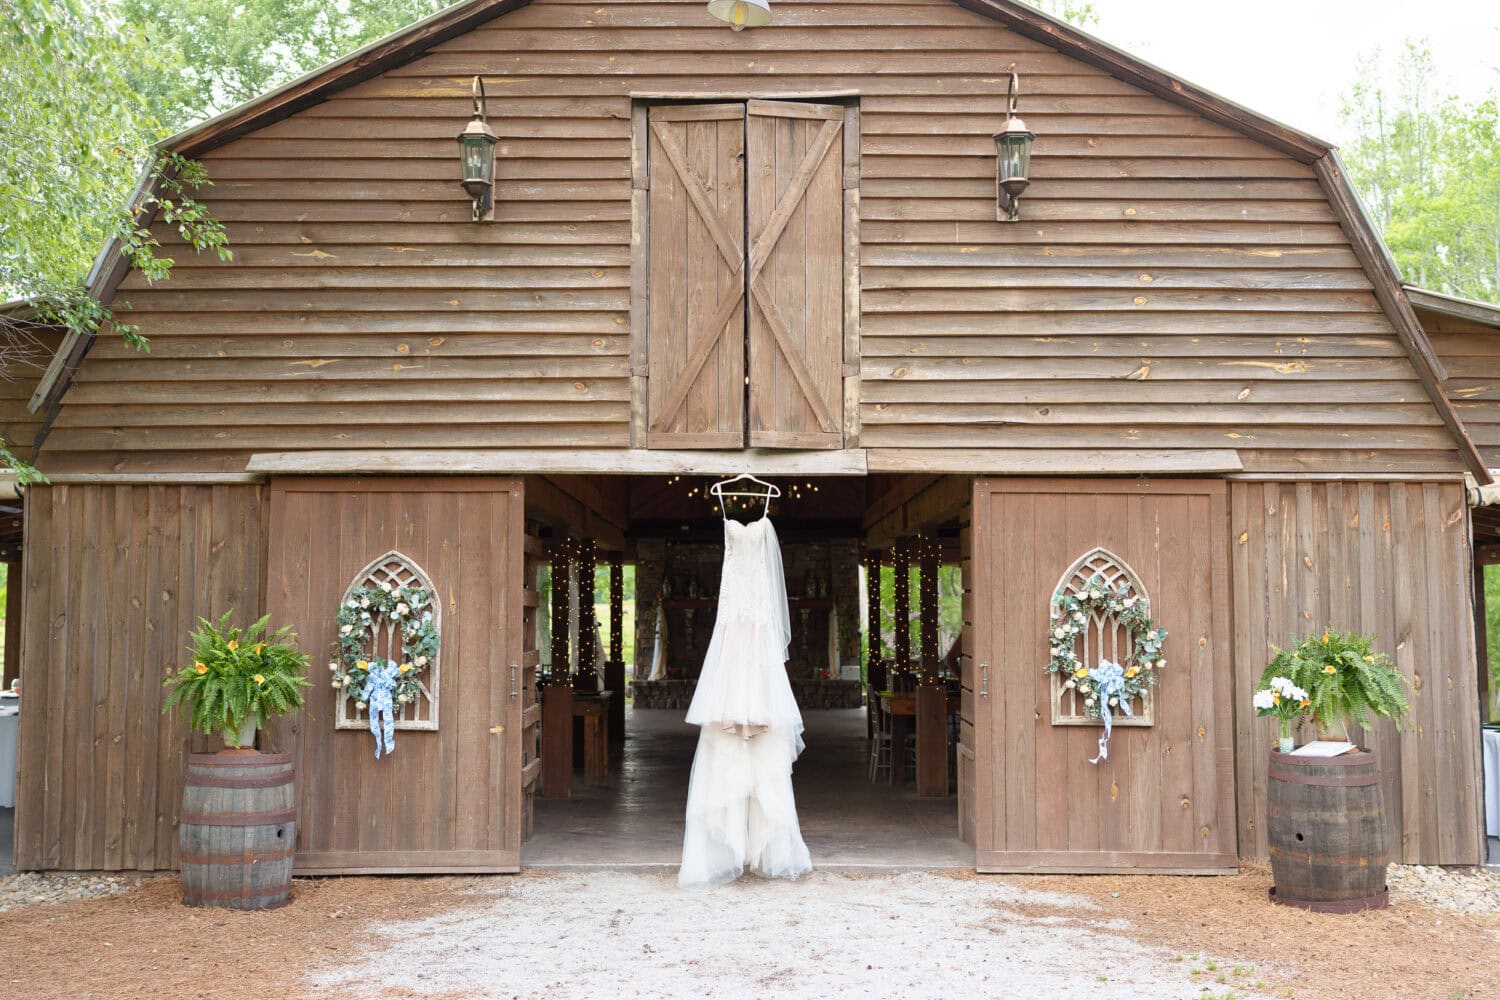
[(380, 685), (1108, 681)]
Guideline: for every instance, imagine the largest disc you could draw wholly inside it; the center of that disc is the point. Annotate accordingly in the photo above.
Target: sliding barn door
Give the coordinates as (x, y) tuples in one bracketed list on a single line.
[(796, 214), (449, 798), (696, 341), (1163, 800)]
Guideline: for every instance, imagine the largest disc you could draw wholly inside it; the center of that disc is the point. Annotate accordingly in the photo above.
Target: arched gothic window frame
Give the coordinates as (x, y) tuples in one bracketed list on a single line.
[(1067, 705), (421, 714)]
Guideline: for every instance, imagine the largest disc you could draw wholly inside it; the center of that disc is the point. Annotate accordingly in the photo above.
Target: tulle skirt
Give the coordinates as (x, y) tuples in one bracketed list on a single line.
[(741, 812), (743, 681)]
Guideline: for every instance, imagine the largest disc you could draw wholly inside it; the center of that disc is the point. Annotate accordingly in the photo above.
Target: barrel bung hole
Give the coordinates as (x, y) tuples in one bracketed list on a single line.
[(281, 832), (1299, 837)]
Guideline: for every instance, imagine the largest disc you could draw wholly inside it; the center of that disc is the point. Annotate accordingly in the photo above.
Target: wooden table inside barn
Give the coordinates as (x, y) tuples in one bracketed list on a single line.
[(932, 741), (594, 710)]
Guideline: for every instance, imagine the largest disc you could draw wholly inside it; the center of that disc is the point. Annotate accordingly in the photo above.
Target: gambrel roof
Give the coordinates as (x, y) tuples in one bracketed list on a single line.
[(417, 39)]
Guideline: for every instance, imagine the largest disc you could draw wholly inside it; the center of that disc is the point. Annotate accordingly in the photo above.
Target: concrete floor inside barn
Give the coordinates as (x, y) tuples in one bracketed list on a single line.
[(846, 820)]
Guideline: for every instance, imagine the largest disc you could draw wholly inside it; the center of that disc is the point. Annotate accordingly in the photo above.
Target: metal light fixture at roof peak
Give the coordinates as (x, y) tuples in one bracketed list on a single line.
[(741, 14), (476, 150), (1012, 158)]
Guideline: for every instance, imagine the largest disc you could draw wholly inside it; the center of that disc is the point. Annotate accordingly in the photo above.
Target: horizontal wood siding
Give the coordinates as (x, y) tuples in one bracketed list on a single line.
[(1390, 560), (115, 578), (1471, 353), (1171, 283)]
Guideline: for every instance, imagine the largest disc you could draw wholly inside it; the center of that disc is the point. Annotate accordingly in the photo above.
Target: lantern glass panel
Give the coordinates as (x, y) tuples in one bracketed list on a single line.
[(478, 159), (1014, 151)]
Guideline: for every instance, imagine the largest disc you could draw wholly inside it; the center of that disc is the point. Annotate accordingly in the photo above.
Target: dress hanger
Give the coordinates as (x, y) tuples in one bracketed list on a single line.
[(717, 489)]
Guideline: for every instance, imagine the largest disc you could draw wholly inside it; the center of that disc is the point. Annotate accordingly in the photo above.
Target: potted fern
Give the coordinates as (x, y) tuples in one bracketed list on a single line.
[(1325, 822), (238, 678), (1344, 679)]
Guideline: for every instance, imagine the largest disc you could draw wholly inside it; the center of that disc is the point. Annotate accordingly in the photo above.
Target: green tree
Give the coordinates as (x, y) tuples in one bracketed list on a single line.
[(1427, 167), (1077, 12), (74, 137), (214, 54)]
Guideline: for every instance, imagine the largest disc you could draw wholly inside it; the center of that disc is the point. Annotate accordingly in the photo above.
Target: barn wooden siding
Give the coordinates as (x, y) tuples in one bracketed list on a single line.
[(1387, 559), (115, 579), (1471, 353), (1173, 284)]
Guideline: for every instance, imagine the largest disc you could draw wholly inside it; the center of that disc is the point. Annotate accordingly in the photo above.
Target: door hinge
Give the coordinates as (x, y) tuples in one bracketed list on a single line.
[(984, 680)]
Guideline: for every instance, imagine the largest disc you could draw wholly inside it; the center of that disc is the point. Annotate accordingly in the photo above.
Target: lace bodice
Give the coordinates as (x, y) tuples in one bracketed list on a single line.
[(752, 581)]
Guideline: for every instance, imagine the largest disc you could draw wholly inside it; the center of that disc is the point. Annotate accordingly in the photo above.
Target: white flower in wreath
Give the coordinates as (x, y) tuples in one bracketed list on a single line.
[(351, 604), (427, 616), (1078, 616), (1093, 595), (337, 683), (345, 631), (1089, 702), (401, 610), (1060, 633), (421, 661), (333, 668), (359, 705), (364, 602), (385, 587), (1129, 602), (1160, 664), (1069, 685)]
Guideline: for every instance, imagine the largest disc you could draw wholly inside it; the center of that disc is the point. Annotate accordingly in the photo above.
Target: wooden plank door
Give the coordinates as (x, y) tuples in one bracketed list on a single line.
[(447, 799), (696, 326), (1164, 799), (795, 213)]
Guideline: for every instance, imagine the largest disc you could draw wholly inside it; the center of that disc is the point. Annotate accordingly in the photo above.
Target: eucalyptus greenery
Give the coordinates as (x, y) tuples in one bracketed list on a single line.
[(1345, 678), (237, 675)]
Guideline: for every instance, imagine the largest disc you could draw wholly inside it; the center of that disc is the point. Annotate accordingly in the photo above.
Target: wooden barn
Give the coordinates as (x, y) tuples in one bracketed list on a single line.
[(1189, 364)]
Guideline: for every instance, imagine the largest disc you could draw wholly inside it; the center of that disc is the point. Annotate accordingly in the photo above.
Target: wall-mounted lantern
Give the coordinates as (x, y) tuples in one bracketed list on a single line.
[(476, 150), (741, 14), (1013, 160)]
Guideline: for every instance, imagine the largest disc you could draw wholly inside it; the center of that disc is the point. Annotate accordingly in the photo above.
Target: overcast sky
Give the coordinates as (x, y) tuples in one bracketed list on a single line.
[(1292, 59)]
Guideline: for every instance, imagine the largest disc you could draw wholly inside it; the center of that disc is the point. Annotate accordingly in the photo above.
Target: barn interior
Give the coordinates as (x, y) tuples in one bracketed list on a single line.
[(652, 546)]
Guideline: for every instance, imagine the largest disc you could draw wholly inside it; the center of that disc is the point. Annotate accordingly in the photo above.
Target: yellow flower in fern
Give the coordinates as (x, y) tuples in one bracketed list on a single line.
[(1330, 669), (233, 645), (198, 666), (1304, 703), (257, 648), (1369, 659), (1325, 638), (260, 678)]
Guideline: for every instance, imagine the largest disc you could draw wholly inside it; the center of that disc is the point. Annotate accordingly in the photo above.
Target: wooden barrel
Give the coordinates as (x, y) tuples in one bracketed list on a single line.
[(1325, 821), (238, 830)]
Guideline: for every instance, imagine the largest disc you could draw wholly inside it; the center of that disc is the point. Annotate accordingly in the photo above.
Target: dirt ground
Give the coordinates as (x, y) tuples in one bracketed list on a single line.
[(632, 934)]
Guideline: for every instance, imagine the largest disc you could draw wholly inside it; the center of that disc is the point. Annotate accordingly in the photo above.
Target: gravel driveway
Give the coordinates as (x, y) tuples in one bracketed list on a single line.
[(614, 933)]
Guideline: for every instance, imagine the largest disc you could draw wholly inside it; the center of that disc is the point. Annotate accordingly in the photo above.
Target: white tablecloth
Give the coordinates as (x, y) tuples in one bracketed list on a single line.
[(1492, 782), (10, 725)]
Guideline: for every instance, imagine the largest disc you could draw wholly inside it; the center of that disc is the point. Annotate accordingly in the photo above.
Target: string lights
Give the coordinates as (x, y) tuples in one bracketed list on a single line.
[(793, 491)]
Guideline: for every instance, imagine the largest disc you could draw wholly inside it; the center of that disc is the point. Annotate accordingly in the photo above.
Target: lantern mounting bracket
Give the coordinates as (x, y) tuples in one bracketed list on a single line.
[(476, 145)]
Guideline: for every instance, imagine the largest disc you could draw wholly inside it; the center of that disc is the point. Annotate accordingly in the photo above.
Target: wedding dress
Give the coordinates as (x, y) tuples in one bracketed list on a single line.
[(740, 808)]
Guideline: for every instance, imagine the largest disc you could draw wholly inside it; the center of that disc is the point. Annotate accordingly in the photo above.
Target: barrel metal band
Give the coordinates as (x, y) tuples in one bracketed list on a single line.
[(200, 780), (1338, 780), (237, 859), (239, 759), (239, 819)]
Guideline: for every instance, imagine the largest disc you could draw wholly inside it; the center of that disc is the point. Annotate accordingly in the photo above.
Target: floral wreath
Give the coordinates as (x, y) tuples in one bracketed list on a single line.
[(359, 617), (1070, 619)]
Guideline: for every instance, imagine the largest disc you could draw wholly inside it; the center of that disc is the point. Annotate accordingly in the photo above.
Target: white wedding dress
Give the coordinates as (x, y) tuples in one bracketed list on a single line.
[(740, 809)]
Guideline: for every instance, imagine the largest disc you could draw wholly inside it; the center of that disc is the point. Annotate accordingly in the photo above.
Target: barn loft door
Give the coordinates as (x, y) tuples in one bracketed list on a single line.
[(796, 274), (1164, 798), (723, 177), (449, 797), (696, 344)]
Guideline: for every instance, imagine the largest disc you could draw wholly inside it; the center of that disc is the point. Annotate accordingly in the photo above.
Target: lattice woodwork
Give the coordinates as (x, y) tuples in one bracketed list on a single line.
[(399, 571), (1104, 638)]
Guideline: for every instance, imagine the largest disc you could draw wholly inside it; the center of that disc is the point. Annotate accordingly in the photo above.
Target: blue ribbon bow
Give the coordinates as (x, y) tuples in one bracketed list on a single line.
[(1109, 682), (380, 684)]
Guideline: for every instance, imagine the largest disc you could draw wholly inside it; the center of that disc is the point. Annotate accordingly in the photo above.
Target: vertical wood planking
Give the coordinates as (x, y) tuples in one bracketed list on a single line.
[(1164, 798), (1391, 560), (111, 605)]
